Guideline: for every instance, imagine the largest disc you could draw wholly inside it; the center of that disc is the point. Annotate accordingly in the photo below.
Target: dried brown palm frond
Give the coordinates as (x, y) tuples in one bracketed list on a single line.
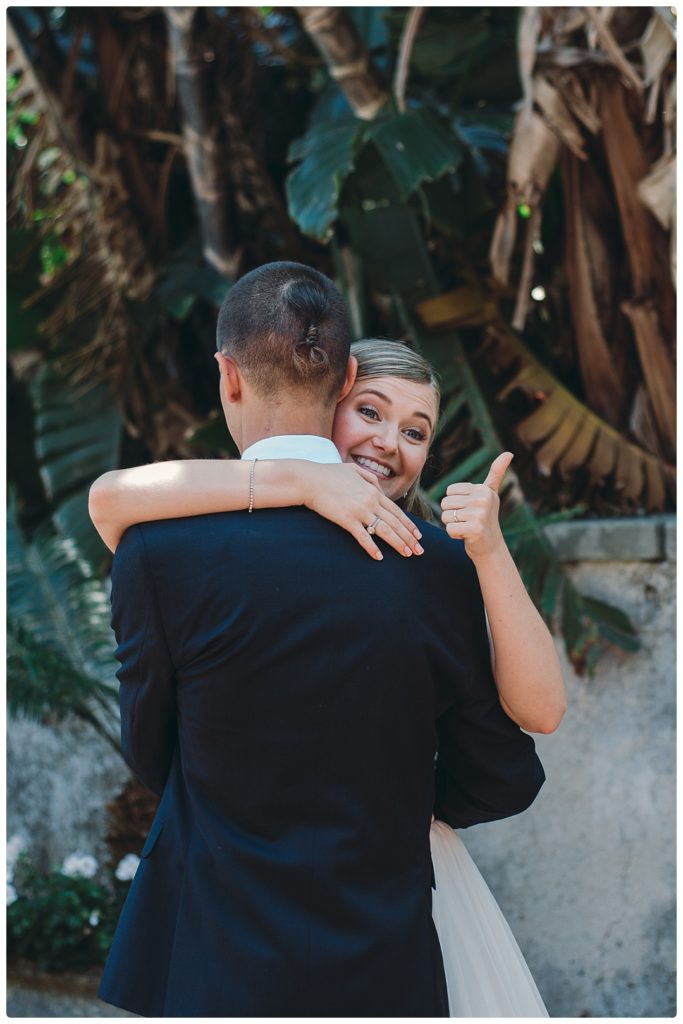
[(563, 433), (566, 435), (95, 223), (598, 92), (658, 191), (108, 266), (96, 220)]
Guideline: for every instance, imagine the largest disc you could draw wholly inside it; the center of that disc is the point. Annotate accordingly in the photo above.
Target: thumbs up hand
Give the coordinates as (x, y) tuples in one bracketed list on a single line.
[(470, 511)]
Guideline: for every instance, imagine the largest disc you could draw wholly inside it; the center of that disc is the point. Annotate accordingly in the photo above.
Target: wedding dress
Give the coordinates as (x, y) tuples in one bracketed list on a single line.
[(486, 973)]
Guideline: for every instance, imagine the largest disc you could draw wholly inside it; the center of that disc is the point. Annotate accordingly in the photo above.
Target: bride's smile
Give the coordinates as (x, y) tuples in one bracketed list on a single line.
[(385, 425)]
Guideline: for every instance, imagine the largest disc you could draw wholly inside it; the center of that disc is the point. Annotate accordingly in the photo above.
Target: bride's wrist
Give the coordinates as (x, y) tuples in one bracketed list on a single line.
[(305, 482)]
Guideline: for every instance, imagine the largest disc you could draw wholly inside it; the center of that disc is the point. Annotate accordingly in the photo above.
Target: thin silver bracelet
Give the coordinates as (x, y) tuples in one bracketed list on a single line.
[(251, 486)]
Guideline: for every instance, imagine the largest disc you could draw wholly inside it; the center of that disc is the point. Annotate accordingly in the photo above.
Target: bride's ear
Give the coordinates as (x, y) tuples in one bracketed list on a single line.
[(231, 382), (349, 379)]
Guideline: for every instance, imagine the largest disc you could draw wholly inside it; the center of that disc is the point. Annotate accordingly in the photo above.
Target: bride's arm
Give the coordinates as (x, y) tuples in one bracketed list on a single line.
[(525, 664), (169, 490)]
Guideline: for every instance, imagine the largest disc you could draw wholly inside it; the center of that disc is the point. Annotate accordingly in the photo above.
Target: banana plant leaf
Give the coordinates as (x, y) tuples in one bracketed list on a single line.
[(326, 154), (480, 138), (389, 241), (566, 435), (415, 148), (60, 643), (186, 282), (78, 436), (372, 26), (443, 49)]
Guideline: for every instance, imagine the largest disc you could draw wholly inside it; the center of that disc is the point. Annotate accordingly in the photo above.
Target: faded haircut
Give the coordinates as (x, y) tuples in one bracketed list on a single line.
[(287, 326)]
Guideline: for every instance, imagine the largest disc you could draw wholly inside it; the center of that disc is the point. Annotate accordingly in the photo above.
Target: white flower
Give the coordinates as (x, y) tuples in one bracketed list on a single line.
[(94, 919), (127, 867), (79, 864), (11, 893), (15, 846)]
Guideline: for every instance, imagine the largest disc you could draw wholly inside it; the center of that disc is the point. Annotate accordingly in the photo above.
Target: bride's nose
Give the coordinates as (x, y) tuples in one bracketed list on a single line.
[(386, 440)]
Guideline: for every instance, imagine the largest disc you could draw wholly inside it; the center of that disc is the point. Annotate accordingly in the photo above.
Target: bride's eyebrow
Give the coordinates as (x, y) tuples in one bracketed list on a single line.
[(385, 398)]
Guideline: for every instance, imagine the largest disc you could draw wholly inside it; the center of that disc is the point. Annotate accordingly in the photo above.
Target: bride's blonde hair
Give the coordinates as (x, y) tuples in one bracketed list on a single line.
[(380, 358)]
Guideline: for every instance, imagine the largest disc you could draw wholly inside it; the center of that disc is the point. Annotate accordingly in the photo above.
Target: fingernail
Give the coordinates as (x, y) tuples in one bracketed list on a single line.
[(407, 551), (417, 533), (419, 550)]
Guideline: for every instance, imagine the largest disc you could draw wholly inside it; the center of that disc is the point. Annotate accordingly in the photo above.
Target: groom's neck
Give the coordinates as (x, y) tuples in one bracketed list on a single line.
[(274, 420)]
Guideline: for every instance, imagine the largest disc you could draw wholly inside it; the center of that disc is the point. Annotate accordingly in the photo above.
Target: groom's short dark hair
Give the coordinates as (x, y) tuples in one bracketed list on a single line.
[(286, 325)]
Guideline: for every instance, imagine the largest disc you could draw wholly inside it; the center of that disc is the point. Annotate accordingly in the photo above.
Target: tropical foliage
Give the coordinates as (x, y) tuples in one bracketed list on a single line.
[(493, 185)]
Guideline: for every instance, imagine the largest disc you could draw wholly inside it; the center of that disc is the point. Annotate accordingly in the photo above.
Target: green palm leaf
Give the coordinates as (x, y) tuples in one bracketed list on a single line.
[(78, 436), (60, 643)]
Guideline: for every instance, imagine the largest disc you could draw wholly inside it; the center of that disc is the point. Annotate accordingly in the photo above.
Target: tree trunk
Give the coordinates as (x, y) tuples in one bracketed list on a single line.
[(347, 58), (201, 129)]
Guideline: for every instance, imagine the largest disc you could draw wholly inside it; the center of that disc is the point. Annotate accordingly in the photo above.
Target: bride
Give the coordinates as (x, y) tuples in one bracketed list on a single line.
[(383, 430)]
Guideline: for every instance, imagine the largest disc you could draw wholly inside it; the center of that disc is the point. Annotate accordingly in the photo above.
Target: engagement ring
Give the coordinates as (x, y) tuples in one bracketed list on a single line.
[(373, 525)]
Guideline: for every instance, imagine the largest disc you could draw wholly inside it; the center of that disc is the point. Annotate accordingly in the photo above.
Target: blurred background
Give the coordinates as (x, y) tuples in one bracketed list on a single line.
[(494, 186)]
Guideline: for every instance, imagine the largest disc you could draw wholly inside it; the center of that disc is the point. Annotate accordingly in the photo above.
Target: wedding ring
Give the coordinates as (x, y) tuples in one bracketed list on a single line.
[(373, 525), (455, 517)]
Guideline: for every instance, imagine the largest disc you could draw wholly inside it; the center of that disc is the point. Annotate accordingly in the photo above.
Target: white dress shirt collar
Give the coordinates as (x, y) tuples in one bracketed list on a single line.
[(293, 446)]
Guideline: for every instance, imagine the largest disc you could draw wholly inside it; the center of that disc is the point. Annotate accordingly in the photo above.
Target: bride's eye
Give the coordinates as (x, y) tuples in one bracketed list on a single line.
[(414, 434), (367, 410)]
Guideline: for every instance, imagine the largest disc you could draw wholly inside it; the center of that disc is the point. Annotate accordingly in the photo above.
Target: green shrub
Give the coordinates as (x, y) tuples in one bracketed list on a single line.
[(61, 921)]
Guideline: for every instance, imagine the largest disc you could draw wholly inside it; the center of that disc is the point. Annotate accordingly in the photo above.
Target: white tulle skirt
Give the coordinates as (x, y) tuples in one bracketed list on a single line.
[(485, 971)]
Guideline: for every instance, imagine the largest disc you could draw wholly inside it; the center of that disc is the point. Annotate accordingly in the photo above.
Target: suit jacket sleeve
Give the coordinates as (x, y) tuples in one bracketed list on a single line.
[(147, 686), (486, 768)]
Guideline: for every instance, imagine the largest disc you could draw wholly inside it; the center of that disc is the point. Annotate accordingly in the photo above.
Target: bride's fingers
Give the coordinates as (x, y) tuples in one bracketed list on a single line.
[(389, 529), (454, 515), (394, 519), (461, 530), (459, 489), (392, 533), (365, 540), (399, 513), (454, 501)]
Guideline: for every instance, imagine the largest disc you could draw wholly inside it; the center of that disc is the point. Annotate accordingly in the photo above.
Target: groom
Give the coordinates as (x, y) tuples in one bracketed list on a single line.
[(285, 695)]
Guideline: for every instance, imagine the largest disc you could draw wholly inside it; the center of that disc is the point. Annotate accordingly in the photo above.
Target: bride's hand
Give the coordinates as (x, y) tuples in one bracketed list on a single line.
[(470, 511), (351, 497)]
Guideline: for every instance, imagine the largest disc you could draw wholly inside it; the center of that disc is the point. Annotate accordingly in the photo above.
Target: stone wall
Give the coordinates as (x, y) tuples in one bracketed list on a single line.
[(586, 876), (59, 780)]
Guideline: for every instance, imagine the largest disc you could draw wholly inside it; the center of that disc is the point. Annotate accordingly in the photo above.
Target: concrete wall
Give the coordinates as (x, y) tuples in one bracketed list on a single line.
[(59, 780), (586, 876)]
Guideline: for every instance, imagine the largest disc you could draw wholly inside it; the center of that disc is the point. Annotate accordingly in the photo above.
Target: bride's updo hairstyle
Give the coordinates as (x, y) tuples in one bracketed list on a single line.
[(287, 326), (379, 358)]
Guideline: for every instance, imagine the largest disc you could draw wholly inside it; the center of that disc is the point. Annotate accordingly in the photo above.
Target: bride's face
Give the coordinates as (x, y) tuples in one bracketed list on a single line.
[(385, 425)]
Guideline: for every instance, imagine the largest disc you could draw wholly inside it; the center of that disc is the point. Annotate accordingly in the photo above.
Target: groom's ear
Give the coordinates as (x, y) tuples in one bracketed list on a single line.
[(231, 379), (349, 379)]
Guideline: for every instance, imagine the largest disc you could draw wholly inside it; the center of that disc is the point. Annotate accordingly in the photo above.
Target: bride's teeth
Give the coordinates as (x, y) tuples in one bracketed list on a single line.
[(370, 464)]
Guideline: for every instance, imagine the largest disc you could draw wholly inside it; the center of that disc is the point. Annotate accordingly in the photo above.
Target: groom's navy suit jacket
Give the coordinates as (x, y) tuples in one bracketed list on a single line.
[(285, 694)]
